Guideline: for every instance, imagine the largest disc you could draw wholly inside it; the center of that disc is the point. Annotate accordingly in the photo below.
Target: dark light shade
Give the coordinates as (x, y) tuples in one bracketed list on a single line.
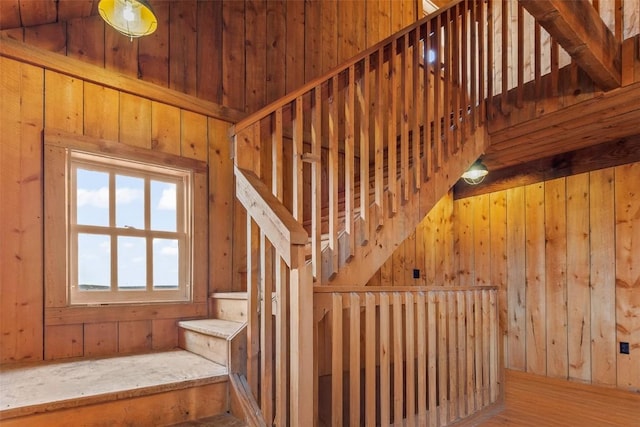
[(133, 18), (476, 173)]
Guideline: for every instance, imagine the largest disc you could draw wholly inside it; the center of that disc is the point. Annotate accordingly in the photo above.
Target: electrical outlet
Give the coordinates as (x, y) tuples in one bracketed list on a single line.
[(416, 273), (624, 348)]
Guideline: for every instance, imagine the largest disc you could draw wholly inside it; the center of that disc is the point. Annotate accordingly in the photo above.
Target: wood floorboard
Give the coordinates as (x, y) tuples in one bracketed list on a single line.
[(532, 400)]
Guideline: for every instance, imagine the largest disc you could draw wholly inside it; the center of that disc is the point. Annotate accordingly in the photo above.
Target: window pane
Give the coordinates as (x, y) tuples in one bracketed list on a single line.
[(94, 262), (92, 197), (163, 206), (132, 263), (165, 263), (129, 202)]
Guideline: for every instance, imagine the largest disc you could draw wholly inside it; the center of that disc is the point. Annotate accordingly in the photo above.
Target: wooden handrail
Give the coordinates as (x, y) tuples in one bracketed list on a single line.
[(272, 217), (376, 289)]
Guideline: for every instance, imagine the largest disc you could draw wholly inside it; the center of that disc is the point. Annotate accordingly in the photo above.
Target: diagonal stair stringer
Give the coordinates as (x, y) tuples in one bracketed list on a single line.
[(368, 258)]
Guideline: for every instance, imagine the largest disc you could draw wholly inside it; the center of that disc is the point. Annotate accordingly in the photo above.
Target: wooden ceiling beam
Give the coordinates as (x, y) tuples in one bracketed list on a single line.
[(605, 155), (579, 29)]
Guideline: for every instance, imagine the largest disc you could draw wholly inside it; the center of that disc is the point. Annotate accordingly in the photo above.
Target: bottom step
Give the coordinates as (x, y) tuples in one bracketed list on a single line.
[(147, 389)]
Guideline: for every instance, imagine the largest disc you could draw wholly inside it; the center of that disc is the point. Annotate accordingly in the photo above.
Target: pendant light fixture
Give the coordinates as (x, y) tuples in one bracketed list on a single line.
[(133, 18), (476, 173)]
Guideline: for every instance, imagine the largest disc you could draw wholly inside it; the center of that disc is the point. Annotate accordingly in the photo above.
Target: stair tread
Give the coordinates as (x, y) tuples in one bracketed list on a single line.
[(42, 387), (213, 327)]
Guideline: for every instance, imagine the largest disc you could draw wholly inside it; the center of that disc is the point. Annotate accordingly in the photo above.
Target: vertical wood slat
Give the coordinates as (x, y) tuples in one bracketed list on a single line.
[(298, 141), (363, 91), (437, 89), (486, 335), (392, 129), (463, 94), (333, 175), (474, 67), (421, 355), (354, 359), (380, 115), (385, 388), (370, 360), (405, 94), (282, 350), (336, 361), (578, 288), (520, 90), (482, 114), (455, 84), (603, 291), (277, 175), (253, 338), (490, 67), (398, 356), (432, 356), (428, 101), (445, 388), (493, 347), (469, 396), (416, 111), (301, 345), (462, 354), (316, 184), (266, 331), (453, 373), (446, 111), (556, 277), (410, 386), (349, 161), (505, 56)]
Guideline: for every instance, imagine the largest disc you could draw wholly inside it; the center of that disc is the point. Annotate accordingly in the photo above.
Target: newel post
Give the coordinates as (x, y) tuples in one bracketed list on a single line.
[(246, 149), (301, 339)]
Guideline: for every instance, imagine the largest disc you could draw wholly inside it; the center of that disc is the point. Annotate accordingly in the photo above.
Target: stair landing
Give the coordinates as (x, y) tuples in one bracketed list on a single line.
[(53, 386)]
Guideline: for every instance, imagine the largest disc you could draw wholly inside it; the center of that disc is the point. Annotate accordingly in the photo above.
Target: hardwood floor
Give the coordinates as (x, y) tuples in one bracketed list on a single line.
[(535, 401)]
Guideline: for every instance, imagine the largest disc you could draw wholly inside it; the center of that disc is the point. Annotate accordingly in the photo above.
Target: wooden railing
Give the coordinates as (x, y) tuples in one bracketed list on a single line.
[(279, 345), (427, 355), (354, 145)]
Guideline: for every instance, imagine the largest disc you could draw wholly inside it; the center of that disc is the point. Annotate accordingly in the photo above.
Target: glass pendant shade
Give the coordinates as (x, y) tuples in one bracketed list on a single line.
[(476, 173), (133, 18)]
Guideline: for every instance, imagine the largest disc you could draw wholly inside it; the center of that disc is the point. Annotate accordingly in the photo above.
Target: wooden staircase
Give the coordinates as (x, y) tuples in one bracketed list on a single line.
[(337, 174)]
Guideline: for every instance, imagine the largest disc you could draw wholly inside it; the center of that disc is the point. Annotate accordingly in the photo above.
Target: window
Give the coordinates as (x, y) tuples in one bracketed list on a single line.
[(129, 231)]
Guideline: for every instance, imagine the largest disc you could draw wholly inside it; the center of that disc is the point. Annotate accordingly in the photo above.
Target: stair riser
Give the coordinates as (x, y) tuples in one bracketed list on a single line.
[(229, 309), (210, 347), (153, 410)]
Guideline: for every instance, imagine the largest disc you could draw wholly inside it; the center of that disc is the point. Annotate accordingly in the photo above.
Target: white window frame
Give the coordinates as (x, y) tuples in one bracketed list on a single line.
[(117, 166)]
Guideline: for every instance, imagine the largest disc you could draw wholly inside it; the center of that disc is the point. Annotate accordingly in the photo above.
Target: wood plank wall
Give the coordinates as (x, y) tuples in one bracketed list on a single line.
[(239, 53), (33, 326), (564, 253)]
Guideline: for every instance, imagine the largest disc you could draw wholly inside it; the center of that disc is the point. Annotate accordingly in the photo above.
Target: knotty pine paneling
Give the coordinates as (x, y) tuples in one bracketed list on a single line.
[(21, 212), (239, 53), (563, 254), (35, 99)]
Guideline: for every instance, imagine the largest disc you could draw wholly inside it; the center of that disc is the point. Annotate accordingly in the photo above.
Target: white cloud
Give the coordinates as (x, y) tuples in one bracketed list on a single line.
[(168, 199), (96, 198), (99, 198), (127, 195)]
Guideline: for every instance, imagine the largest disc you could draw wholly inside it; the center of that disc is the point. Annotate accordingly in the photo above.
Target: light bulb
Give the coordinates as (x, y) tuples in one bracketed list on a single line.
[(127, 12)]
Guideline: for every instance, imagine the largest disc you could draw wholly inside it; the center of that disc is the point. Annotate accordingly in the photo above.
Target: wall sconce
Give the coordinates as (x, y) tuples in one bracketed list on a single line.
[(476, 173), (133, 18)]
